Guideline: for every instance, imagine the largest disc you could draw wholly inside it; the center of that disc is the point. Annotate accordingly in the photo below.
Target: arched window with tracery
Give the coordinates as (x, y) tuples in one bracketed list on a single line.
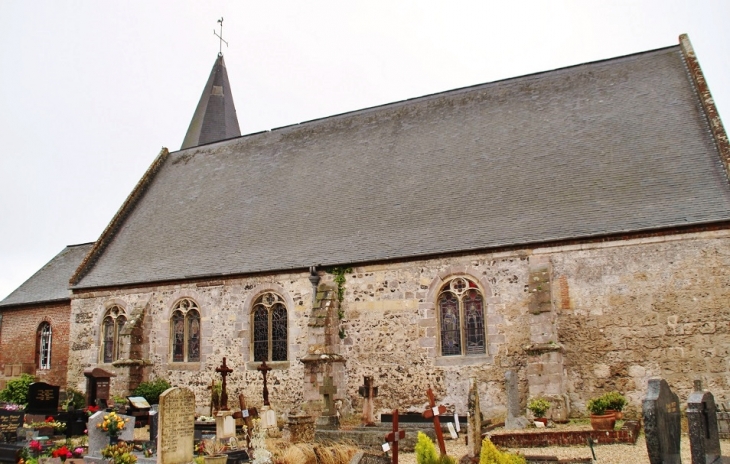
[(269, 328), (185, 331), (111, 328), (461, 318), (43, 346)]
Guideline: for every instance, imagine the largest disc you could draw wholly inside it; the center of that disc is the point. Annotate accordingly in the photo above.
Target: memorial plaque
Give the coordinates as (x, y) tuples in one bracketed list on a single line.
[(176, 426), (10, 421), (42, 398), (662, 423)]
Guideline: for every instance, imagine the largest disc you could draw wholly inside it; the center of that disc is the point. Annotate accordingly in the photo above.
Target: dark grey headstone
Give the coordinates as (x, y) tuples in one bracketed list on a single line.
[(704, 439), (42, 398), (662, 423), (10, 421), (154, 421)]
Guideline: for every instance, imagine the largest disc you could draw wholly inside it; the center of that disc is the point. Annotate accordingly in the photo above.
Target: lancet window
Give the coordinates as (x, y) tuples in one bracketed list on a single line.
[(43, 346), (269, 328), (461, 317), (185, 330), (111, 327)]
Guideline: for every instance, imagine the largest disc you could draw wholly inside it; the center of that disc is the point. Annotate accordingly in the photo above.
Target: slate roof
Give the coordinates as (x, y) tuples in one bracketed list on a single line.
[(50, 283), (215, 116), (601, 148)]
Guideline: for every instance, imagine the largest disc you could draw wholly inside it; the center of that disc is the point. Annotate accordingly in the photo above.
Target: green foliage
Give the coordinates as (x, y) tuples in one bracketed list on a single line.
[(16, 390), (615, 400), (426, 452), (597, 406), (491, 455), (340, 279), (538, 406), (152, 390), (75, 398)]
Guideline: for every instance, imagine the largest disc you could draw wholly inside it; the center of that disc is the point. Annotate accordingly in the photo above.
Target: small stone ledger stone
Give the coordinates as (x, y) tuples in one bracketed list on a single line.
[(704, 439), (177, 426), (98, 439), (662, 423)]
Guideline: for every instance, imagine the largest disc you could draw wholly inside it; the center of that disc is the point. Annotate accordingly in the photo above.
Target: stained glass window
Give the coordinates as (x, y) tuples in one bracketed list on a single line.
[(44, 346), (185, 331), (111, 327), (461, 313), (270, 328)]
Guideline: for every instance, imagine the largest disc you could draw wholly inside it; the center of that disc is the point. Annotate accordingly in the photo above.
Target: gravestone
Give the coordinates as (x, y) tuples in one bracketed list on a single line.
[(329, 418), (661, 423), (368, 392), (98, 439), (704, 439), (176, 413), (42, 398), (474, 424), (515, 419), (154, 423), (9, 423)]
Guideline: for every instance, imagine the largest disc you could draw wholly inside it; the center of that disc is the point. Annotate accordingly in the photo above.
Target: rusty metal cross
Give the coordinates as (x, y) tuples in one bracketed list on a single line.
[(265, 370), (434, 412), (224, 371), (395, 436)]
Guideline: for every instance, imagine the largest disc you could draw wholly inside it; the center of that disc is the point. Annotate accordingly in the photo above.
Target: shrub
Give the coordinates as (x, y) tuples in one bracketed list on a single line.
[(152, 390), (491, 455), (75, 398), (426, 452), (538, 406), (597, 406), (16, 390), (614, 401)]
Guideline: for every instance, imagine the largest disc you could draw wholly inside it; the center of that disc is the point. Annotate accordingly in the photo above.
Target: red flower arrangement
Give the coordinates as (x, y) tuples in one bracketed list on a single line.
[(62, 452)]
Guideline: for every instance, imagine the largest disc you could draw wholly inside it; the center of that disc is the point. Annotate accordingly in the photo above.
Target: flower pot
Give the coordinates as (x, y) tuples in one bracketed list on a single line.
[(217, 459), (113, 439), (617, 414), (603, 422), (542, 419)]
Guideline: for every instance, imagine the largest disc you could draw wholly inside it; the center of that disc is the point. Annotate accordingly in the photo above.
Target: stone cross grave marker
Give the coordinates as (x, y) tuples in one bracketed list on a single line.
[(177, 426), (328, 391), (704, 439), (662, 423), (264, 369), (98, 439), (433, 413), (395, 436), (224, 371), (515, 418), (474, 430), (369, 392)]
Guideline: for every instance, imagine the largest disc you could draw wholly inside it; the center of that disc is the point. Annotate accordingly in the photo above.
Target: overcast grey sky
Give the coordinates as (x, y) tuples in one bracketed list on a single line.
[(90, 91)]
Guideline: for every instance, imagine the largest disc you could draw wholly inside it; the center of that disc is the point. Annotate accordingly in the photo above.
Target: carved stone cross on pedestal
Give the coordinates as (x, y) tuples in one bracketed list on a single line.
[(265, 370), (369, 392), (395, 436), (224, 371), (328, 390), (434, 412)]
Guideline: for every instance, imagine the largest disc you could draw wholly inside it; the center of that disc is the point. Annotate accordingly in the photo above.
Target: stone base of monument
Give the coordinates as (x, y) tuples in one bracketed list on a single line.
[(268, 418), (361, 457), (328, 422), (372, 438), (628, 433)]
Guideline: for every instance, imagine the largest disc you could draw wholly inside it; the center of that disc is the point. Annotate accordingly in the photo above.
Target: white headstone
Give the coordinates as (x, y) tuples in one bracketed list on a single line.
[(176, 426), (225, 425)]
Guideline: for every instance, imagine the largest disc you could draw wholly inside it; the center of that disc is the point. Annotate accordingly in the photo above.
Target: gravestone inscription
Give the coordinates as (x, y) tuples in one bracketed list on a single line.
[(662, 423), (9, 422), (704, 440), (42, 398), (176, 426)]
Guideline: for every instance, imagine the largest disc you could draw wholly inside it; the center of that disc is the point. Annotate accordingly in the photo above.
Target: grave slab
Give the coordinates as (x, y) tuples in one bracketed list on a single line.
[(662, 423)]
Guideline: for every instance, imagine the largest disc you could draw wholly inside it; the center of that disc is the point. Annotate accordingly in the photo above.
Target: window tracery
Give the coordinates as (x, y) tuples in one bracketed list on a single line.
[(111, 328), (43, 344), (270, 328), (185, 331), (461, 318)]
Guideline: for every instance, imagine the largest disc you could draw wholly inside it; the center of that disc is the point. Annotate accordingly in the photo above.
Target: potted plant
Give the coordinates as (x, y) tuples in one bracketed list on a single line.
[(539, 406), (599, 419), (615, 403), (214, 452), (112, 425)]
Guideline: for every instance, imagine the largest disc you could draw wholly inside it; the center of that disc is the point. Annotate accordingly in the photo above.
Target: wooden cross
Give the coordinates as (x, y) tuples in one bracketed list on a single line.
[(248, 415), (434, 412), (220, 36), (264, 370), (328, 390), (395, 436), (224, 371)]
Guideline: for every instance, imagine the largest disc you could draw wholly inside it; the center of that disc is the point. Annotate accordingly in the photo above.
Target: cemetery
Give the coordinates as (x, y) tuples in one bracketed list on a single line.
[(49, 428)]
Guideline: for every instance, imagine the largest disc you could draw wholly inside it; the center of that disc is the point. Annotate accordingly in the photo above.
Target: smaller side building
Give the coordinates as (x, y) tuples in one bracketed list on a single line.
[(35, 319)]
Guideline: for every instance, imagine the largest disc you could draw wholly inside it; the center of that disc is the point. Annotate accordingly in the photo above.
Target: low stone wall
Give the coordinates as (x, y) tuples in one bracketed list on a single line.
[(628, 433)]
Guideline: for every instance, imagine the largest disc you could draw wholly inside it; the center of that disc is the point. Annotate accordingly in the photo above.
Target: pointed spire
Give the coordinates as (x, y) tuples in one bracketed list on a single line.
[(215, 117)]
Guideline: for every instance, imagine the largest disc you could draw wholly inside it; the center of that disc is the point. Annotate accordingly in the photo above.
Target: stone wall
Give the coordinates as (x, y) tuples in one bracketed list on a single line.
[(18, 342), (616, 313)]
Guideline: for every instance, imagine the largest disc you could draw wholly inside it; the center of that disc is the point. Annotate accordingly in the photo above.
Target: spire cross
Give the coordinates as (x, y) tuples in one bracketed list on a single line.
[(220, 36)]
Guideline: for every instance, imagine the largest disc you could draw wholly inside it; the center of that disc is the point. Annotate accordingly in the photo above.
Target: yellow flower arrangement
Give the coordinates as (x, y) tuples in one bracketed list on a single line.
[(112, 424)]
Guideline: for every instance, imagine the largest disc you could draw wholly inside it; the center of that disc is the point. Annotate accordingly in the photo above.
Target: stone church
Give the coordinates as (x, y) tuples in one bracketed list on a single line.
[(571, 226)]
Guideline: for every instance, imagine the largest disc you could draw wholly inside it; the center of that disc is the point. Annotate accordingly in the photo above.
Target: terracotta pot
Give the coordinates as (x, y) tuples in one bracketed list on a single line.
[(603, 422), (541, 419), (617, 414)]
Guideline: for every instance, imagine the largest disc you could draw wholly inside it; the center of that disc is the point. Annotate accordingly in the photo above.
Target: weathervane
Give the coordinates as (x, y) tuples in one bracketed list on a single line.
[(220, 36)]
